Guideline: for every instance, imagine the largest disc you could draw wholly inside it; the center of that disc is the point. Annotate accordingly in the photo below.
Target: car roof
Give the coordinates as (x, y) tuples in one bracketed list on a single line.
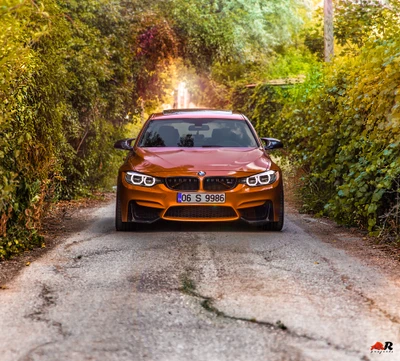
[(197, 113)]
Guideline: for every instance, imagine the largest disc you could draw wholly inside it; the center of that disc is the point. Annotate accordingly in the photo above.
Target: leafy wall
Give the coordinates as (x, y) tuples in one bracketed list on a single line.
[(342, 130), (61, 97)]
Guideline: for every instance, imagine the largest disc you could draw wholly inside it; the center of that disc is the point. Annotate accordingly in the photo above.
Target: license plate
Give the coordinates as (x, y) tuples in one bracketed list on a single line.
[(201, 197)]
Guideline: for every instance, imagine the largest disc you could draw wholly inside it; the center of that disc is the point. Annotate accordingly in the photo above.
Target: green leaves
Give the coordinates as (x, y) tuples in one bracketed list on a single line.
[(365, 21), (61, 75), (342, 130)]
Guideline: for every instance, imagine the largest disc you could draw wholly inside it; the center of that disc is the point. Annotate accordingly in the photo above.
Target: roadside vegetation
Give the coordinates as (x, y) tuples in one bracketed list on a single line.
[(77, 75), (342, 125)]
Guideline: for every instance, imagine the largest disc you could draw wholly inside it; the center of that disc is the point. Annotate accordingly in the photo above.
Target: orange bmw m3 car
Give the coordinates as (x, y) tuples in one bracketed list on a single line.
[(199, 165)]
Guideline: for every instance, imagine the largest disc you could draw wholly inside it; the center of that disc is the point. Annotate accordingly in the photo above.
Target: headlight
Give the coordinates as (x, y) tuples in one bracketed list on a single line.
[(261, 179), (138, 179)]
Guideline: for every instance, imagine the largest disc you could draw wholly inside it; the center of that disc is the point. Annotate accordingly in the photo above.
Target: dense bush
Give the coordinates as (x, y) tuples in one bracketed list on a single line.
[(58, 91), (342, 129)]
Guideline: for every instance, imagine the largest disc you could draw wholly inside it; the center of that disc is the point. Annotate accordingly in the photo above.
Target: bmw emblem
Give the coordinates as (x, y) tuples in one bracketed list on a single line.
[(201, 173)]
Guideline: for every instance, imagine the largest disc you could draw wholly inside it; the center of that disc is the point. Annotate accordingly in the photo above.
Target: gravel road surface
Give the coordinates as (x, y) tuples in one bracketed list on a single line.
[(203, 292)]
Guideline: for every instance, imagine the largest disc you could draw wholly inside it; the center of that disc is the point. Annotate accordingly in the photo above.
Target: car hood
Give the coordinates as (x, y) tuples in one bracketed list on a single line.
[(171, 160)]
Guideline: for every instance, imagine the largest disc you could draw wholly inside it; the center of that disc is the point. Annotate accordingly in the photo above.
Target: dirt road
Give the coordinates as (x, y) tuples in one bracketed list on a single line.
[(204, 292)]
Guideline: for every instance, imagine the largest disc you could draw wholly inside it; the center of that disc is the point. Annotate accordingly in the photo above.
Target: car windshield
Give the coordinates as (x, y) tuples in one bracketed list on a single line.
[(198, 133)]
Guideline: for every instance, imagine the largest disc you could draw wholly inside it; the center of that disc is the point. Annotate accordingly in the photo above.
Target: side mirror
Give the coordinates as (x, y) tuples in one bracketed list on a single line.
[(124, 144), (272, 143)]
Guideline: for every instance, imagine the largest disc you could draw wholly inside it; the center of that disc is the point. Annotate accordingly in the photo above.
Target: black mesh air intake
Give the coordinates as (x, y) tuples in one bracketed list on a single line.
[(259, 213), (200, 212)]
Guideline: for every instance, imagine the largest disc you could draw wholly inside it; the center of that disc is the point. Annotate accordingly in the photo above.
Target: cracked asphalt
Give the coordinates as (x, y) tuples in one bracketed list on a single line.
[(203, 292)]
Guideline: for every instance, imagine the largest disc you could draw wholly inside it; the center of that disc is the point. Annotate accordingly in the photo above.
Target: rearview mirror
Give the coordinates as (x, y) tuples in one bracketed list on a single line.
[(124, 144), (272, 143), (194, 128)]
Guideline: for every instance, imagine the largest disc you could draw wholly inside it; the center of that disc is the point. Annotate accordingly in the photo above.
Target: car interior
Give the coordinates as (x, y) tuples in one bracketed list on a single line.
[(184, 134)]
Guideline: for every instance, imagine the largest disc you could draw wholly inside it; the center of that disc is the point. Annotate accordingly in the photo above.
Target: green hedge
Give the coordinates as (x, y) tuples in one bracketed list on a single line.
[(342, 130), (63, 99)]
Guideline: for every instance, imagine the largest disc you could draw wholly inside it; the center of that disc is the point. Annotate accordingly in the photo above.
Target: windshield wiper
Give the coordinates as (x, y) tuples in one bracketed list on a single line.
[(211, 146)]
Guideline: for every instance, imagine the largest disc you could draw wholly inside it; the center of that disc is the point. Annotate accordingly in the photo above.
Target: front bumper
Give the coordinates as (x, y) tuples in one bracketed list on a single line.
[(256, 205)]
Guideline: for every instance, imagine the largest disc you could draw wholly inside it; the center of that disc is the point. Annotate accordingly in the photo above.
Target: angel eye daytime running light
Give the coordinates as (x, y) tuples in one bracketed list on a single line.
[(261, 179), (138, 179)]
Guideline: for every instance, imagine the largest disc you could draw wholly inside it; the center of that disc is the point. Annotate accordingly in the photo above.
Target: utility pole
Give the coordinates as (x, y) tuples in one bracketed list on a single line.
[(328, 30)]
